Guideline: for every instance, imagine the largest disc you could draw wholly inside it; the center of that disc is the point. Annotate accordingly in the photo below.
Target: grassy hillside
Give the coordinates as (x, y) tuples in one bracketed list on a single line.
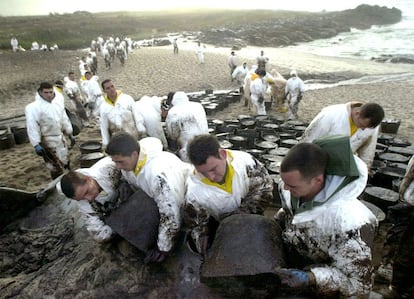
[(73, 31)]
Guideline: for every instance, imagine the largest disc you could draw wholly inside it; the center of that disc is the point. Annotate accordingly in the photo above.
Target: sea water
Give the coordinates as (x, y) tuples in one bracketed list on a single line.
[(396, 39)]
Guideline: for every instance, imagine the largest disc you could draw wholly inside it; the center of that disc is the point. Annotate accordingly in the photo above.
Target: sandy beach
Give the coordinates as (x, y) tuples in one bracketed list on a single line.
[(157, 71)]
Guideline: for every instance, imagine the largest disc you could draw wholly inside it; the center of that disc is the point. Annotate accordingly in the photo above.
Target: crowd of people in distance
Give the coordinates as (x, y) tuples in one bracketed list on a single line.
[(14, 43), (195, 183), (261, 87)]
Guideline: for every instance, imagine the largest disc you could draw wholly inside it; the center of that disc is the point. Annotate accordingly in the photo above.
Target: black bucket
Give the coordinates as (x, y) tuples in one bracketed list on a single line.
[(384, 176), (7, 141), (90, 147), (380, 197), (88, 160), (239, 142), (20, 135)]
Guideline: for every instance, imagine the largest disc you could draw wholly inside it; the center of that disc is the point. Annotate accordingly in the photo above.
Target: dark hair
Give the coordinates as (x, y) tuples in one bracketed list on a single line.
[(45, 85), (71, 73), (372, 111), (104, 82), (59, 83), (308, 158), (201, 147), (70, 181), (170, 97), (123, 144)]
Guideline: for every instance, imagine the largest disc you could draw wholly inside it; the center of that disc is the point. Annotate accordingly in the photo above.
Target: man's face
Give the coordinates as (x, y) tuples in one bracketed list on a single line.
[(127, 163), (299, 186), (164, 114), (109, 89), (72, 77), (88, 191), (48, 94), (361, 122), (215, 168)]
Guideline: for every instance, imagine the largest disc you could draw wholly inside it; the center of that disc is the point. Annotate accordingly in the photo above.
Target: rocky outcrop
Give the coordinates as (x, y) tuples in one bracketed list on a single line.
[(394, 58), (301, 28)]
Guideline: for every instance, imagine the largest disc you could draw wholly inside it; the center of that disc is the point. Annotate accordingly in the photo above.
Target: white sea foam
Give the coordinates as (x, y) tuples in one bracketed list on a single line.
[(396, 39)]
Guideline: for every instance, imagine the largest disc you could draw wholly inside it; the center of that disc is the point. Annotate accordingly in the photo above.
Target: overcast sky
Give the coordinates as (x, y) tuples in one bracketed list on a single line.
[(44, 7)]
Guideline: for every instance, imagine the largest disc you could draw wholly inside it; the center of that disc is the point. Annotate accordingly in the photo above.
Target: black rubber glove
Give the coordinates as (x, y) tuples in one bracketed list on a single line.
[(155, 256), (124, 191), (72, 140), (261, 99)]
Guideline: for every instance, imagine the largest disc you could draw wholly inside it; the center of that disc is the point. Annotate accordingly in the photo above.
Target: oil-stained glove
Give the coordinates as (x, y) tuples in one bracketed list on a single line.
[(295, 279), (72, 140), (39, 150), (155, 256), (261, 99), (124, 191)]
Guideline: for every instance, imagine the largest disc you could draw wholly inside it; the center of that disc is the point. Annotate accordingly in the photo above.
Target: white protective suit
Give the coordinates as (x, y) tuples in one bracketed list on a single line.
[(162, 176), (294, 86), (407, 184), (334, 120), (329, 235), (184, 121), (46, 123), (251, 188), (200, 54), (239, 74), (14, 44), (150, 110), (71, 88), (120, 116), (105, 173), (258, 89), (93, 94)]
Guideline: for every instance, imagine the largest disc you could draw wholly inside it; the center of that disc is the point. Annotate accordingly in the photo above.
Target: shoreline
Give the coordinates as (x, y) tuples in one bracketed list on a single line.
[(311, 65)]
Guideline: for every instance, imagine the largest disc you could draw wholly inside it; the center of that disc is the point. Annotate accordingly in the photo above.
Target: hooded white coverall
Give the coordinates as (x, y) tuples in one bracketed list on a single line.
[(184, 121), (251, 188), (329, 235), (407, 184), (15, 44), (72, 89), (94, 96), (150, 110), (162, 176), (46, 123), (200, 54), (334, 120), (294, 86), (239, 74), (105, 173), (258, 88), (120, 116)]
